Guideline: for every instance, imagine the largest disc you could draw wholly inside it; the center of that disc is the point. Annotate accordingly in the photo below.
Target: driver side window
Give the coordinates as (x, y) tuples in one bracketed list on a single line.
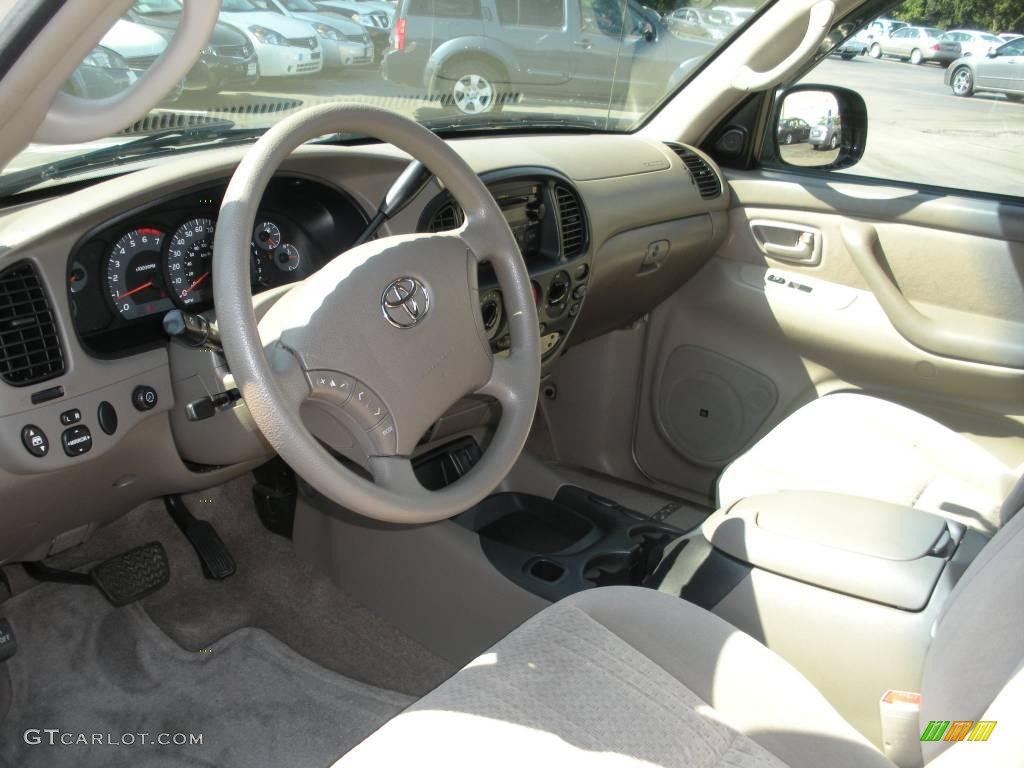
[(603, 16)]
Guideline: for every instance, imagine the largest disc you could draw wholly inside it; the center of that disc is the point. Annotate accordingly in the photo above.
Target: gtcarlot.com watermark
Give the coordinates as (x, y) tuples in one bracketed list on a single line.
[(55, 737)]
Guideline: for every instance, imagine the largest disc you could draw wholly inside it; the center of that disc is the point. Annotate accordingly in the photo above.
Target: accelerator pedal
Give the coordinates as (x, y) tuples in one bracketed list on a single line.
[(122, 579), (213, 554)]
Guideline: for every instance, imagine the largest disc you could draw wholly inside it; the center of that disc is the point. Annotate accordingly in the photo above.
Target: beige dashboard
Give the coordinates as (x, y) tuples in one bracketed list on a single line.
[(655, 213)]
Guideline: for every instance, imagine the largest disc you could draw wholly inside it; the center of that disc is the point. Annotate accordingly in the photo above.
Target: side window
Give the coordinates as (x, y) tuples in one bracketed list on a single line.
[(1013, 48), (953, 123), (532, 13), (603, 16), (445, 9)]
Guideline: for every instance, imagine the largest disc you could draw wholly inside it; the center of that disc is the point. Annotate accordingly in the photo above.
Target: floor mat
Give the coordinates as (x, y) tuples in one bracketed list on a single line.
[(96, 673)]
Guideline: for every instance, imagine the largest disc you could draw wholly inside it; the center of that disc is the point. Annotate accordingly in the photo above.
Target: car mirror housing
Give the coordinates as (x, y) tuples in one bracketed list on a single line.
[(829, 132)]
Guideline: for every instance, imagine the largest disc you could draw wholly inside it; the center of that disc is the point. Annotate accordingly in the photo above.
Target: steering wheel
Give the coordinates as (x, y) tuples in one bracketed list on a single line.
[(385, 337)]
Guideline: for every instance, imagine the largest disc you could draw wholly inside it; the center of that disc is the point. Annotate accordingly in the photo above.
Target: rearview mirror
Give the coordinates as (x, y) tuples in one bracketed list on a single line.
[(817, 126)]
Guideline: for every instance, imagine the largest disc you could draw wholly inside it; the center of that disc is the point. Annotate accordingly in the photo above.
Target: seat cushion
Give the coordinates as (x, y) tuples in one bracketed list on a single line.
[(865, 446), (622, 676)]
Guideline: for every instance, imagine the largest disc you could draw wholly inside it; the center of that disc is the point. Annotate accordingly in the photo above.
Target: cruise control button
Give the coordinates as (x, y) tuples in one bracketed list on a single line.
[(332, 384), (77, 440), (366, 407), (384, 437), (35, 441), (70, 417)]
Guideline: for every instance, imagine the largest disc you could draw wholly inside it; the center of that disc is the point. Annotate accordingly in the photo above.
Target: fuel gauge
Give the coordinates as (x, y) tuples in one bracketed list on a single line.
[(287, 258)]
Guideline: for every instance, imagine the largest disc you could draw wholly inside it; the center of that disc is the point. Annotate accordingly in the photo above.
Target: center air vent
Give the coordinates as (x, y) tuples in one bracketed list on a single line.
[(30, 349), (448, 216), (570, 222), (707, 181)]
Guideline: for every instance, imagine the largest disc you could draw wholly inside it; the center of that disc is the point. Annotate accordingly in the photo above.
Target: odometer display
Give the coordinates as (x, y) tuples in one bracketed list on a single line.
[(190, 262), (135, 278)]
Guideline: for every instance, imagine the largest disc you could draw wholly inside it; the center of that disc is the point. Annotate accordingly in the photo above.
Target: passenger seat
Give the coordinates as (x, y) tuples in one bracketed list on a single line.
[(865, 446)]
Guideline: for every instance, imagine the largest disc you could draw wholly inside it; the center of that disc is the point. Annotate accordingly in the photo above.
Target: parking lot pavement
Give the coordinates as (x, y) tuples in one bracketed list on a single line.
[(917, 130)]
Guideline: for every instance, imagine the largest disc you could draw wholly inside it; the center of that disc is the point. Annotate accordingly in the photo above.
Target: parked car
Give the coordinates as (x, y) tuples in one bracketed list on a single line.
[(228, 61), (284, 46), (853, 46), (103, 73), (827, 134), (793, 130), (734, 16), (917, 45), (1008, 36), (715, 23), (343, 41), (1000, 71), (138, 46), (883, 28), (973, 42), (376, 17), (474, 55)]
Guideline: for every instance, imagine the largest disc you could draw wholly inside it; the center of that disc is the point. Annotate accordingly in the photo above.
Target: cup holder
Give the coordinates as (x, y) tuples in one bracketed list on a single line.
[(616, 568), (546, 570)]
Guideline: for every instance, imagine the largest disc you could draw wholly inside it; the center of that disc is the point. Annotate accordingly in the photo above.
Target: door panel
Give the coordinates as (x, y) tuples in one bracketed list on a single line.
[(779, 333)]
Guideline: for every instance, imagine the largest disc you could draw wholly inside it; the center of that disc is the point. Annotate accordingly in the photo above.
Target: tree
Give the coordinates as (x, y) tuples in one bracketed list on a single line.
[(991, 15)]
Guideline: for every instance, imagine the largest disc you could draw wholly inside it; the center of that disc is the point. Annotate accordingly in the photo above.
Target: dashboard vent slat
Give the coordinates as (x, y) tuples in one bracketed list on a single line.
[(447, 217), (570, 218), (707, 181), (30, 349)]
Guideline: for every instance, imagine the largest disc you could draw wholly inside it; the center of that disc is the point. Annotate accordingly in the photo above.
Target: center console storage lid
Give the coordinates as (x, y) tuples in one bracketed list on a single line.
[(869, 549)]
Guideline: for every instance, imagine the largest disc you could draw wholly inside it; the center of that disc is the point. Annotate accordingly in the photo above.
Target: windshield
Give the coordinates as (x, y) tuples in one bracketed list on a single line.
[(552, 65)]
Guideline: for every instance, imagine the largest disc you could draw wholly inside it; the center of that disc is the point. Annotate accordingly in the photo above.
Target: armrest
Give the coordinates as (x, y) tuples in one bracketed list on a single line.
[(868, 549)]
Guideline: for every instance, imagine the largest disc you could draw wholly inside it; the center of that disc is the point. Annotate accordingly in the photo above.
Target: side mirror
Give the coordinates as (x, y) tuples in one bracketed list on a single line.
[(830, 133), (992, 53)]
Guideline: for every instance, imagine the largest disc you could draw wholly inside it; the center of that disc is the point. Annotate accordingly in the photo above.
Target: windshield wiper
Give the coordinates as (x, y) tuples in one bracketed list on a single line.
[(151, 145), (465, 123)]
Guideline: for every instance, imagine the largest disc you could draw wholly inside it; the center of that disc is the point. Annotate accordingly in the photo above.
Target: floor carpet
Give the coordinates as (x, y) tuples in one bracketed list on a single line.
[(96, 673)]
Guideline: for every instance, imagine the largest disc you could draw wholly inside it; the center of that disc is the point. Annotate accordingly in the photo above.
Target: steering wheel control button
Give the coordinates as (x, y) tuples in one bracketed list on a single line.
[(384, 437), (365, 407), (77, 440), (144, 398), (106, 415), (331, 384), (70, 417), (35, 441)]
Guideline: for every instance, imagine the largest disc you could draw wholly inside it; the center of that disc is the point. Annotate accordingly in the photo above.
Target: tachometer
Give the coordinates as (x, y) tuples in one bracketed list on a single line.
[(135, 279), (190, 262)]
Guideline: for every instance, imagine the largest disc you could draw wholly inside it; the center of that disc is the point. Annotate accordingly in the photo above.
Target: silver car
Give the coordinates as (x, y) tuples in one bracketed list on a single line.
[(917, 45), (999, 71)]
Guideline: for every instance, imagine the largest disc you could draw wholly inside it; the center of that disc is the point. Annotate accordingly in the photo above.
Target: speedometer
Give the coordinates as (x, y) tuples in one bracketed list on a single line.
[(190, 262), (135, 280)]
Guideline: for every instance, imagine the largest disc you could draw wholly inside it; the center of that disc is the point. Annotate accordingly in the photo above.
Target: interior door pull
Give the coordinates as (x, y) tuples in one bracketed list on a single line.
[(802, 251), (782, 240), (980, 339)]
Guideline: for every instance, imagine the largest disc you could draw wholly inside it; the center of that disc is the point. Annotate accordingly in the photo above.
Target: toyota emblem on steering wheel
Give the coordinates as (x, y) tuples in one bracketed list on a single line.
[(405, 302)]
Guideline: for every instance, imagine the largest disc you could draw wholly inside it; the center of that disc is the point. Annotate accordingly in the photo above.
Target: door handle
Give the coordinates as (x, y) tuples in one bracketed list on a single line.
[(784, 241), (584, 44)]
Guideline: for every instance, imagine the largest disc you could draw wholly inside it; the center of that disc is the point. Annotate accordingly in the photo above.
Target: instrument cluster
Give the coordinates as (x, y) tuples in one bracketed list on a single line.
[(125, 277)]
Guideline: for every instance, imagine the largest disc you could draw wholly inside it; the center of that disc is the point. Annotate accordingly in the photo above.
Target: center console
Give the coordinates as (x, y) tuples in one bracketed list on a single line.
[(844, 588)]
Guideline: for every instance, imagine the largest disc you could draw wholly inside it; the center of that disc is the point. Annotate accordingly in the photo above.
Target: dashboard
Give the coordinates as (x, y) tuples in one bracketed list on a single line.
[(97, 403), (123, 277)]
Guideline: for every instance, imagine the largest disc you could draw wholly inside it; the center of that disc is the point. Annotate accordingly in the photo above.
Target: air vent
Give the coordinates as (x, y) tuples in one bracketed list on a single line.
[(702, 174), (447, 217), (570, 222), (30, 349)]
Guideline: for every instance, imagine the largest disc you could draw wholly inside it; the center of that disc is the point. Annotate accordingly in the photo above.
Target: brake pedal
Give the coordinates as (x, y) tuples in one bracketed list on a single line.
[(122, 579), (133, 575), (214, 556)]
